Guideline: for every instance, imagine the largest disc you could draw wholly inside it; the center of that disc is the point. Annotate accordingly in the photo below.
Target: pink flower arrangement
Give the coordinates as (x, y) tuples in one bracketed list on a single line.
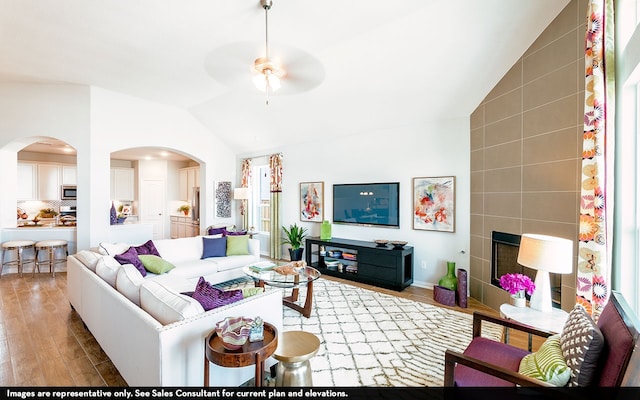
[(517, 284)]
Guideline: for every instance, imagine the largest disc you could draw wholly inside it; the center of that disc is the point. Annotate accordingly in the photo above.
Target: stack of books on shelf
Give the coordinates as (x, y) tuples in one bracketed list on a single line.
[(349, 256)]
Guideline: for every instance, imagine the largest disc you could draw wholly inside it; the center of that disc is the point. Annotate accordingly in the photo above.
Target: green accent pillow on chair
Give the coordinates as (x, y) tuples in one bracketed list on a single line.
[(238, 245), (547, 364), (155, 264)]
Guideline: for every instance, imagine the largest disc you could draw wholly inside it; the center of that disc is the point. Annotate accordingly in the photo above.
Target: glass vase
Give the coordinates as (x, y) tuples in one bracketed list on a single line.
[(449, 281), (325, 230), (518, 300)]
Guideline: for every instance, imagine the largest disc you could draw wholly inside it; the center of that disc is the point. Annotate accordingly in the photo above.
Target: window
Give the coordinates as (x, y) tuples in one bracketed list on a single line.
[(626, 257), (260, 199)]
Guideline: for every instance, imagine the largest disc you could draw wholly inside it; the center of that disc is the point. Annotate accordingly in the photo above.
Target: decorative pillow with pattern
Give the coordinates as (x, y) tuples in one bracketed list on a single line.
[(547, 364), (581, 342), (210, 297)]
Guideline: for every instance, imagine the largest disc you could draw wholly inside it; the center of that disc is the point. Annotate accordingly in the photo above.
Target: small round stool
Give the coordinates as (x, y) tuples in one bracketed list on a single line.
[(50, 246), (18, 246), (295, 348)]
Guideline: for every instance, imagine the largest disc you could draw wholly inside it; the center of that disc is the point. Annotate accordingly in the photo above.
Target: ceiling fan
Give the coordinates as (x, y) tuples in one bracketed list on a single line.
[(285, 69)]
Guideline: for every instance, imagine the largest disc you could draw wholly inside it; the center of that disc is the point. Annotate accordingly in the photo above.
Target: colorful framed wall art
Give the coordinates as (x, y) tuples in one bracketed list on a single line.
[(434, 203), (311, 201)]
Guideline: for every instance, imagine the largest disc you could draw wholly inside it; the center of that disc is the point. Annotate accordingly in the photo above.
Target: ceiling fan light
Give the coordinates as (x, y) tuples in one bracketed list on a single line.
[(273, 81)]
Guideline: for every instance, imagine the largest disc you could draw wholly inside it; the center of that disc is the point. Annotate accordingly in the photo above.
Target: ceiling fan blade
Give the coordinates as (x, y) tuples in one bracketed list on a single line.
[(232, 65)]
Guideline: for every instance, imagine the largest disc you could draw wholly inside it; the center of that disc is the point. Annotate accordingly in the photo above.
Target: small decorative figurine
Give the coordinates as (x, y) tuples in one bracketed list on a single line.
[(257, 330)]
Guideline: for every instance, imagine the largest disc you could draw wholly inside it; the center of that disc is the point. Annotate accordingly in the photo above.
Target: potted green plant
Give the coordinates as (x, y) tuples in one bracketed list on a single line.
[(294, 237), (184, 208)]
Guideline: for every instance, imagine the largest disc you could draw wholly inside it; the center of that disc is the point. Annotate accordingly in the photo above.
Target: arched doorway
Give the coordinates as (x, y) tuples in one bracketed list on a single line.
[(158, 183)]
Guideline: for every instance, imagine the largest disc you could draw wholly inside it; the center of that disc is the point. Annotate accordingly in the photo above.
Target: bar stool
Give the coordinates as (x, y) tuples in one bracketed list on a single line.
[(50, 246), (295, 348), (17, 246)]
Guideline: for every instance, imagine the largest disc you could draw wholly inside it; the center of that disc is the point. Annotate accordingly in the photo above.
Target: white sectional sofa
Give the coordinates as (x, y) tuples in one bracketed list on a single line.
[(152, 333)]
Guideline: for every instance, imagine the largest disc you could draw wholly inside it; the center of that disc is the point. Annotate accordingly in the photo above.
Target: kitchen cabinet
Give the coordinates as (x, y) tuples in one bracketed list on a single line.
[(182, 227), (188, 178), (27, 178), (69, 175), (122, 184), (42, 181), (48, 182)]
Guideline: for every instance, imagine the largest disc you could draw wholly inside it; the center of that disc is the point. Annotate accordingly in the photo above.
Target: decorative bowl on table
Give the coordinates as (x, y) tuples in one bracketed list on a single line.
[(398, 244), (234, 331), (381, 242)]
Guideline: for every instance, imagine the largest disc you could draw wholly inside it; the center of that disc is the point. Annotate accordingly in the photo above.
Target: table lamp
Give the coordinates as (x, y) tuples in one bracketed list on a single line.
[(545, 254), (242, 194)]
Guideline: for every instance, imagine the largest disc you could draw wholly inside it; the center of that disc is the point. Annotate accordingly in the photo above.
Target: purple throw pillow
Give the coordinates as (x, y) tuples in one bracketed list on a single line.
[(131, 257), (234, 233), (147, 248), (214, 247), (216, 231), (210, 297)]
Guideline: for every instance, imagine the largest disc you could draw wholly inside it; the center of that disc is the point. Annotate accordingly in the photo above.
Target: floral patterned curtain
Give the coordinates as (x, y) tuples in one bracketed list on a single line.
[(275, 165), (245, 183), (594, 261)]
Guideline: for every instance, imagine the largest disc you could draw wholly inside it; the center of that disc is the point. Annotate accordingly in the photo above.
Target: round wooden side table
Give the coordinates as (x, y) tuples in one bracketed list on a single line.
[(251, 353)]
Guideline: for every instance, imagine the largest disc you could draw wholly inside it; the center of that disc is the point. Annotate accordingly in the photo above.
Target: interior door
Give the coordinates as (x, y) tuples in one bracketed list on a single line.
[(152, 206)]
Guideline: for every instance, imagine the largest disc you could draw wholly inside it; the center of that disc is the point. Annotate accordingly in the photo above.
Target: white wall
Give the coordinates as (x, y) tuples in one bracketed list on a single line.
[(398, 154), (96, 122)]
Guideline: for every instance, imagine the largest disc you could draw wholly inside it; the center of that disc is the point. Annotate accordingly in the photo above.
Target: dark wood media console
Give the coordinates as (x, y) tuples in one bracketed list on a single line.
[(361, 261)]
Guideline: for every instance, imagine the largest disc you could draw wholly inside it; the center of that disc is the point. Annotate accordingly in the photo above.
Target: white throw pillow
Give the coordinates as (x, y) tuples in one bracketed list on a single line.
[(165, 305), (88, 258), (112, 249), (128, 281), (107, 268)]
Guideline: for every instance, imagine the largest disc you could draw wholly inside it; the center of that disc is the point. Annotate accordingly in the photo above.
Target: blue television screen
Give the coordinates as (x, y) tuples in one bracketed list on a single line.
[(370, 204)]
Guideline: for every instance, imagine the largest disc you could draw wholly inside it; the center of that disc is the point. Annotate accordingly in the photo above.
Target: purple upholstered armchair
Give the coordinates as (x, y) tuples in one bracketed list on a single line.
[(487, 362)]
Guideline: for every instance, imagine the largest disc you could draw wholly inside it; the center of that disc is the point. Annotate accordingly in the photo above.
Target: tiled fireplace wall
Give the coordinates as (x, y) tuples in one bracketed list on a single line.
[(525, 151)]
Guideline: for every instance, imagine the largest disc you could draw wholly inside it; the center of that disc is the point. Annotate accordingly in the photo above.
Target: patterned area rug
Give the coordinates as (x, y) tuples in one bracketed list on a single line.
[(373, 339)]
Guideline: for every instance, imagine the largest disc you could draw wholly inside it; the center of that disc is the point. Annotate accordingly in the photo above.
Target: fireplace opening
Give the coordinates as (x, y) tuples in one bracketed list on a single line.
[(504, 256)]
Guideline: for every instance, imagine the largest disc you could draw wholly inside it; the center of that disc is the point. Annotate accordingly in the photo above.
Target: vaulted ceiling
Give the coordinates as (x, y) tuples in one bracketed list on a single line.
[(353, 66)]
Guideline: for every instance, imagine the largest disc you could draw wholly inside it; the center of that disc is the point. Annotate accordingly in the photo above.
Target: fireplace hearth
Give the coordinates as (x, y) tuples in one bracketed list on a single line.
[(504, 256)]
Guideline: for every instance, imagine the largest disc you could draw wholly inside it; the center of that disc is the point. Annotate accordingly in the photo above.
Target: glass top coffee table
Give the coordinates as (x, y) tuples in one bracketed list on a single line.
[(303, 276)]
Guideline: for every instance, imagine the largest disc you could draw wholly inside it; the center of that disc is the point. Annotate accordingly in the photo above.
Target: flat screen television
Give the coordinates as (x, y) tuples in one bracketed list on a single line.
[(369, 204)]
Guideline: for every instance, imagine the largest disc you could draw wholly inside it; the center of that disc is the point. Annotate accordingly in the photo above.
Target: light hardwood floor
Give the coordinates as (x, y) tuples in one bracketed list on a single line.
[(43, 342)]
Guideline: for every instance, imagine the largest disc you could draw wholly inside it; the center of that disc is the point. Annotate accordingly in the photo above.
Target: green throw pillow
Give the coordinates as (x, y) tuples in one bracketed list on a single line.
[(547, 364), (238, 245), (251, 291), (155, 264)]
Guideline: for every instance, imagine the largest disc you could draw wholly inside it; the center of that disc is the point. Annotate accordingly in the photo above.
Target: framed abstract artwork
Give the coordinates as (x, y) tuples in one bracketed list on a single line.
[(434, 203), (223, 199), (311, 201)]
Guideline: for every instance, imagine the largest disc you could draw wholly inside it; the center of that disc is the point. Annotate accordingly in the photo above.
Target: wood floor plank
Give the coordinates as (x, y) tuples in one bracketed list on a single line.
[(68, 355)]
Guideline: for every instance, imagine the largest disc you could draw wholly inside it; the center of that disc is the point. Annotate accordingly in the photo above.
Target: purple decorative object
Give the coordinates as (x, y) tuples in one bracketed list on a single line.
[(462, 288), (147, 248), (216, 231), (444, 296), (234, 233), (210, 297), (113, 216), (131, 257)]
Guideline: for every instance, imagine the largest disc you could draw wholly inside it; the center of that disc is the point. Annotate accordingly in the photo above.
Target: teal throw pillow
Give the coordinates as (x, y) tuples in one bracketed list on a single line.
[(547, 364), (155, 264), (238, 245)]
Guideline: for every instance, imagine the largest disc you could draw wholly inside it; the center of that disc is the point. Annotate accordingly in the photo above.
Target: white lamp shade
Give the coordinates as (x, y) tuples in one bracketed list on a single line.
[(546, 253), (241, 193)]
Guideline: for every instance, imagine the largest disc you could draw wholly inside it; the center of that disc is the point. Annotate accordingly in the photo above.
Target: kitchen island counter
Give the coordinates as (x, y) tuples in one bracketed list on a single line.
[(43, 232)]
